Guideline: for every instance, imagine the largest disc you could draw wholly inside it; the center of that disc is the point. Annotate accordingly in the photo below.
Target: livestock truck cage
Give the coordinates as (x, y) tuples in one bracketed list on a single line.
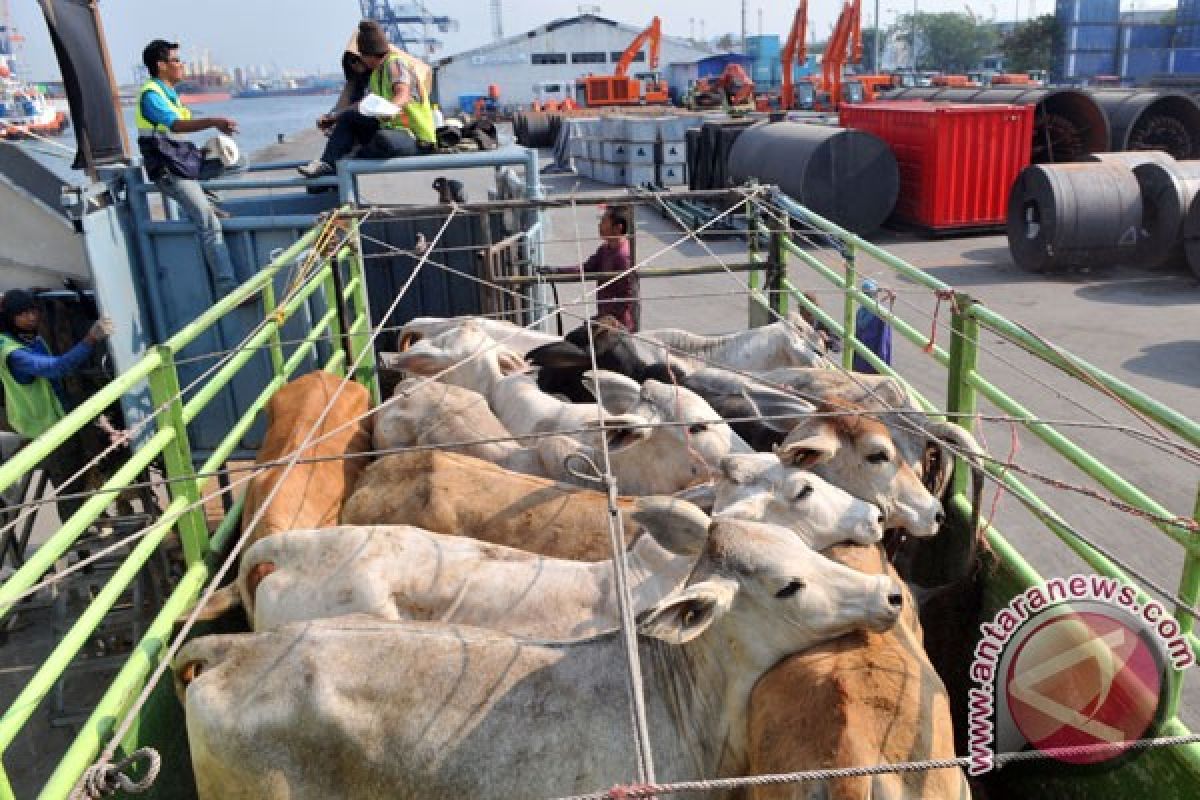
[(337, 274)]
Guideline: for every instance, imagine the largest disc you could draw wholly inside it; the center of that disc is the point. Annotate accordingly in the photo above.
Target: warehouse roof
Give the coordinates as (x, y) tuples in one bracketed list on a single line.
[(564, 23)]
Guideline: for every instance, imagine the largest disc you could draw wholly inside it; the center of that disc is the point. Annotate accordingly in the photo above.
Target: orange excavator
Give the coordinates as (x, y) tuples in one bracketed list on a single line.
[(845, 46), (732, 90), (619, 89), (795, 48)]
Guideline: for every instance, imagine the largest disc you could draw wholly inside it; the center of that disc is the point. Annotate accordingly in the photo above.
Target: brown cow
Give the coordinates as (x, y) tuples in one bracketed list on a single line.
[(463, 496), (862, 699), (311, 495)]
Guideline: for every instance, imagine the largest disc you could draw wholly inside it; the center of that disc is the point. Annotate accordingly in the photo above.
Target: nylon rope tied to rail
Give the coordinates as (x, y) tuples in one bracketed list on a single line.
[(940, 294), (103, 780)]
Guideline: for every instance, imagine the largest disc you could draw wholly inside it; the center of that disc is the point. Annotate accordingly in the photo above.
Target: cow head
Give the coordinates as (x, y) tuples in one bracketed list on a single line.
[(857, 453), (806, 347), (758, 487), (464, 356), (772, 593), (681, 441)]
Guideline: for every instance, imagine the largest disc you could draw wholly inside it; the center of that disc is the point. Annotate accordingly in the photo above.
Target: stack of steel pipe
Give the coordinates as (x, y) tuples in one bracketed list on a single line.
[(1137, 208), (1151, 119), (1068, 124), (708, 152), (850, 177)]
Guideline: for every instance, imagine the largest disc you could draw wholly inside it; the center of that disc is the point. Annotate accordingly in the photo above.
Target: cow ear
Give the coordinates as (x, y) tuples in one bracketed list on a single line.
[(625, 430), (510, 363), (780, 411), (807, 446), (687, 613), (741, 469), (616, 392), (421, 363), (559, 355), (676, 524)]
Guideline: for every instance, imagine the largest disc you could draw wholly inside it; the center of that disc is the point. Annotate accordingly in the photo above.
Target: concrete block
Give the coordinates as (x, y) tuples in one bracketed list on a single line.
[(671, 129), (672, 174), (671, 152), (633, 152), (636, 174)]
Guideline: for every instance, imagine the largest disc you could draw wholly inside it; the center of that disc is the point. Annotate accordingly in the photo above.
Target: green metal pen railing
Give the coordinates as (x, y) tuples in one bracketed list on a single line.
[(341, 283), (964, 386)]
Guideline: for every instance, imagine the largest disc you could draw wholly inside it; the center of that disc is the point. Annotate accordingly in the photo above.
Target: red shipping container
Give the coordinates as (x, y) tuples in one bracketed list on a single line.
[(957, 161)]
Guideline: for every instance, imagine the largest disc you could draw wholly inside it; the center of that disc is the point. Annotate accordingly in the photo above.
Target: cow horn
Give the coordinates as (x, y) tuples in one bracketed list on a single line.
[(969, 449)]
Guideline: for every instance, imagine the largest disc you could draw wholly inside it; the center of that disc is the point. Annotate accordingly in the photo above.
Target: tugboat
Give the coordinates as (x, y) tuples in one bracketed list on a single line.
[(24, 110)]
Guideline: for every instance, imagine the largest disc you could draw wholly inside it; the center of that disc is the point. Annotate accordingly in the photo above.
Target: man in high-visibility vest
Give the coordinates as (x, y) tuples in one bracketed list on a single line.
[(161, 113), (33, 396), (395, 76)]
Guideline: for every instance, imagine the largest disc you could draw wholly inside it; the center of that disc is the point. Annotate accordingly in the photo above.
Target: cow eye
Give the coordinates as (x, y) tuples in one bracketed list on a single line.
[(789, 590), (699, 427), (878, 458), (803, 494)]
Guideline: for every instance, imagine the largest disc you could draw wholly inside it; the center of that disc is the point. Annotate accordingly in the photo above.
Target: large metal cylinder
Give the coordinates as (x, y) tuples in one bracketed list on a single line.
[(847, 176), (536, 128), (1067, 123), (713, 145), (1191, 236), (1063, 215), (1130, 158), (1145, 119), (1168, 190)]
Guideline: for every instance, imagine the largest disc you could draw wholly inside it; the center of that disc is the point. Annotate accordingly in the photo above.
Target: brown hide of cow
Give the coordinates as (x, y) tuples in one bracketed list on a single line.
[(312, 493), (862, 699), (463, 496)]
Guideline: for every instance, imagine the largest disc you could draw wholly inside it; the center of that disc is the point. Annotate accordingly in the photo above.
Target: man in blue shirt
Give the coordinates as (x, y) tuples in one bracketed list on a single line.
[(33, 394), (161, 113), (872, 331)]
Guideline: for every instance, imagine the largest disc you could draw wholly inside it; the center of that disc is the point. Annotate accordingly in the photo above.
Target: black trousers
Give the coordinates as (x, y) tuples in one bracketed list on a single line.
[(351, 129)]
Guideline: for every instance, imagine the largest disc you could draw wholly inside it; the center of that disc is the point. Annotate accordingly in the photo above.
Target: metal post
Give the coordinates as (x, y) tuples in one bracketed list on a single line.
[(1189, 592), (964, 356), (359, 326), (914, 41), (777, 270), (875, 41), (177, 455), (269, 302), (849, 337), (332, 287)]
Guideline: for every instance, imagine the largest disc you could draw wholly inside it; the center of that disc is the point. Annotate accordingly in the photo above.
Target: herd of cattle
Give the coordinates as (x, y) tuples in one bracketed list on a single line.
[(441, 621)]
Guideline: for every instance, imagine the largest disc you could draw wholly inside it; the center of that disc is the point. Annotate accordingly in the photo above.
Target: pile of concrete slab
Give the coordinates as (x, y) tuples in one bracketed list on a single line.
[(631, 151)]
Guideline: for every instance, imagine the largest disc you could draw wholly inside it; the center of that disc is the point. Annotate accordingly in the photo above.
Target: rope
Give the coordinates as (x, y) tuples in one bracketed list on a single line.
[(1000, 760), (940, 294), (104, 780)]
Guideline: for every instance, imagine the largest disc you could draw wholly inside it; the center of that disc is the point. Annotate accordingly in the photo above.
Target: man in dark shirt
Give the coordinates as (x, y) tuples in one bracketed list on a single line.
[(616, 297)]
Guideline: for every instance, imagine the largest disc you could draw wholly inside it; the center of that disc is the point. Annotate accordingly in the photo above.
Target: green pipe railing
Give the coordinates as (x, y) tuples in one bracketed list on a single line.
[(184, 513), (965, 384)]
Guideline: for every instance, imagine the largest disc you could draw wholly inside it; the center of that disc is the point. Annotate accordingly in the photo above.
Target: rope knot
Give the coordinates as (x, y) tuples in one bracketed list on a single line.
[(632, 791), (941, 294), (103, 780)]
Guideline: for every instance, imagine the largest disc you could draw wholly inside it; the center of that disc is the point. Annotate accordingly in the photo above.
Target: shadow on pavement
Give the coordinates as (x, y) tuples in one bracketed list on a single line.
[(1177, 362)]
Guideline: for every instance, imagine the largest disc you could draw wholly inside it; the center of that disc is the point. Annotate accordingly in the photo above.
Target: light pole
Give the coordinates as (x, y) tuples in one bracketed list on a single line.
[(875, 42), (914, 42)]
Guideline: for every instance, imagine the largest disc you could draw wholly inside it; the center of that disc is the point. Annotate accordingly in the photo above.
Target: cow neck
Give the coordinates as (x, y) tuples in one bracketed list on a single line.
[(705, 688)]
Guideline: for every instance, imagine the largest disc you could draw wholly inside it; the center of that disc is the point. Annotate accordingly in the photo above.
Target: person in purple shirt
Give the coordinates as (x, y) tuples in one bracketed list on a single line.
[(616, 297)]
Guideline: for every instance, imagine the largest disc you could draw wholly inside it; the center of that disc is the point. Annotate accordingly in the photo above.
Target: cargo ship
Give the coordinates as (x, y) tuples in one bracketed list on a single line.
[(209, 87), (289, 88)]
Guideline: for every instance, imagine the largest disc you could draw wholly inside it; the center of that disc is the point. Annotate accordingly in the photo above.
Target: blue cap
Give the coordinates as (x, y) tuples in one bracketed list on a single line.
[(869, 286)]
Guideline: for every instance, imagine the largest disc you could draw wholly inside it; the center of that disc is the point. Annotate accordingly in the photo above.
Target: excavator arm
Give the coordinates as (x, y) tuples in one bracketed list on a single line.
[(653, 35), (794, 49)]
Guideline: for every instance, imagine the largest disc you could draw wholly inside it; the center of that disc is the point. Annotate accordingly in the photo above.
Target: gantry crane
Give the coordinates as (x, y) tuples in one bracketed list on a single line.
[(619, 89), (409, 24)]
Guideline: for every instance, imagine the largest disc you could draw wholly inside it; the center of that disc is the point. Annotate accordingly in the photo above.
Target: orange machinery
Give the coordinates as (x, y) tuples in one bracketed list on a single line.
[(795, 48), (845, 46), (619, 89), (733, 88)]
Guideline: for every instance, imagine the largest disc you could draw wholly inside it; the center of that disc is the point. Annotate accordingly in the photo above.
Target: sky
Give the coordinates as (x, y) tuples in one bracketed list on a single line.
[(309, 34)]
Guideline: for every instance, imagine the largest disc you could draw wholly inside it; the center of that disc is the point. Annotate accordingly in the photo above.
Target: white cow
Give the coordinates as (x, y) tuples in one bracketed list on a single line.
[(785, 343), (757, 487), (512, 337), (355, 707), (663, 438)]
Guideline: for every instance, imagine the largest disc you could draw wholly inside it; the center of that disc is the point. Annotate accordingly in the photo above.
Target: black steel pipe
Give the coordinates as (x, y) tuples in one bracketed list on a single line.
[(1148, 119), (850, 177), (1068, 124), (1168, 190), (1062, 215)]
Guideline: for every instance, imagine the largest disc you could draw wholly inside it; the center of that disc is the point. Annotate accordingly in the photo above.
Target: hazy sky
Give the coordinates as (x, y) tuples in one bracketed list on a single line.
[(309, 34)]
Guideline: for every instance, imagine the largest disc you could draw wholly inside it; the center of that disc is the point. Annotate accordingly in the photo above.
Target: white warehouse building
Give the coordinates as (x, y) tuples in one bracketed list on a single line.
[(552, 58)]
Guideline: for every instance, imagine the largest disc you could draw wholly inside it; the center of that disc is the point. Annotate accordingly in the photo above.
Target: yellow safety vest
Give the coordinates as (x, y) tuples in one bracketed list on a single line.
[(417, 114), (146, 126), (32, 407)]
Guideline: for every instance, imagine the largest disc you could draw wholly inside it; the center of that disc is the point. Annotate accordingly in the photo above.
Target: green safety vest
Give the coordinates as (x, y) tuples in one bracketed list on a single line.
[(417, 114), (146, 126), (32, 407)]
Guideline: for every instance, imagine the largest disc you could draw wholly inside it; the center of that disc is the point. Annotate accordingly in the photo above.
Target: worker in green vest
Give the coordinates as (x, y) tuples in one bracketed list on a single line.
[(33, 394), (176, 165), (395, 77)]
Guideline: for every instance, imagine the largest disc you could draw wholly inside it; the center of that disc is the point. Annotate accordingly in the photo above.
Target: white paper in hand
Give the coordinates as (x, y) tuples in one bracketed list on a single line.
[(375, 106)]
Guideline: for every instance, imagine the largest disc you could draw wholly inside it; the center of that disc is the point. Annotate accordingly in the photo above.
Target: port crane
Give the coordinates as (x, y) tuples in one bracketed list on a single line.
[(409, 24), (620, 89)]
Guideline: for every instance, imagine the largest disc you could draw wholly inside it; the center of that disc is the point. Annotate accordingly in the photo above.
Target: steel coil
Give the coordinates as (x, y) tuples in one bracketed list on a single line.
[(1130, 158), (1068, 124), (847, 176), (1142, 119), (1168, 190), (1191, 236), (536, 128), (1063, 215)]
